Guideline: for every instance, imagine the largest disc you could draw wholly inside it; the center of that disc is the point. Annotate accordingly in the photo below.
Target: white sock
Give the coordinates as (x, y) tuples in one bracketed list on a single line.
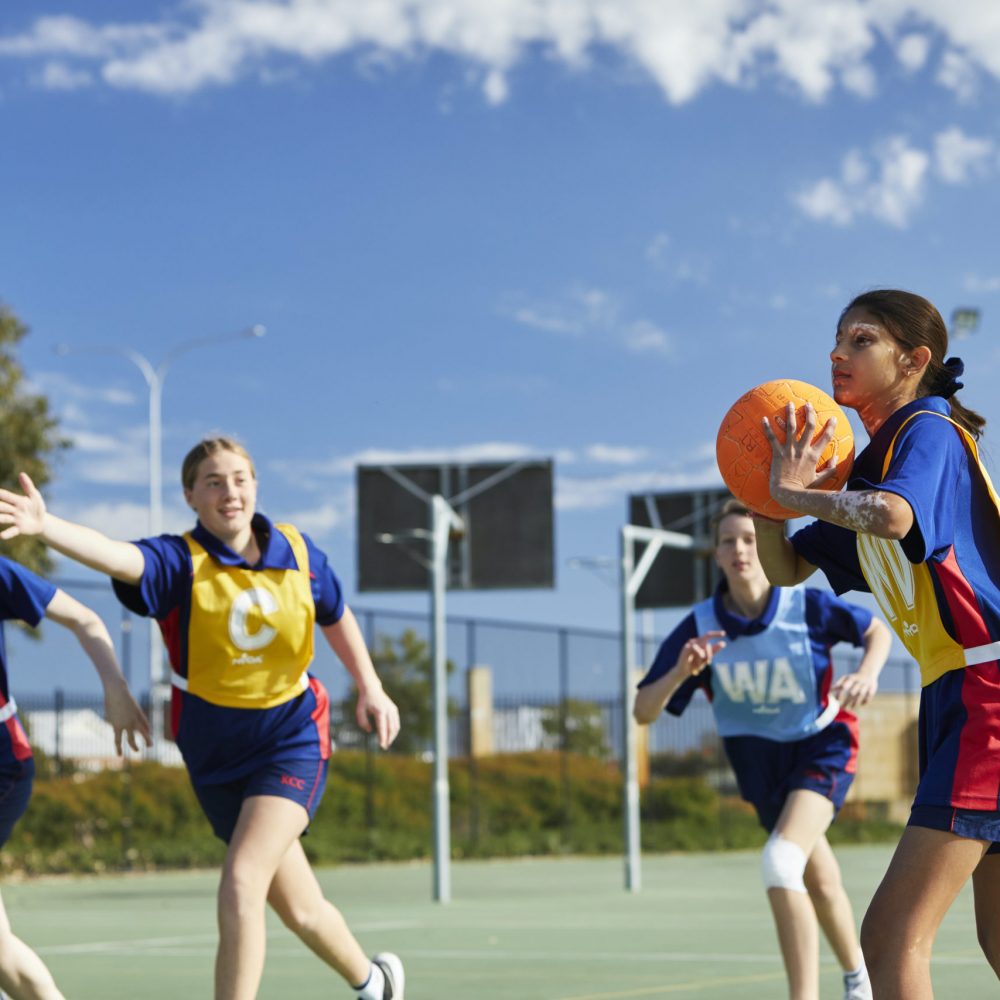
[(860, 974), (374, 987)]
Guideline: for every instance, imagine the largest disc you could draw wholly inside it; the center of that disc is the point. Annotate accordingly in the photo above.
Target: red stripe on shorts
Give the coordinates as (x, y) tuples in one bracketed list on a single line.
[(18, 739), (321, 716), (976, 784)]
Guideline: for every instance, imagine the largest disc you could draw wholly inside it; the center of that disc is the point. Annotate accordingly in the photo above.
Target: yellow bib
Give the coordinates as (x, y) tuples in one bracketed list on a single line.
[(905, 592), (250, 637)]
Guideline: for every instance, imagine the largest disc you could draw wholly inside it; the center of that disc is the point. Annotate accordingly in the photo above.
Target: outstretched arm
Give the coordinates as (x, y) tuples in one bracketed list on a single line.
[(25, 514), (120, 708), (347, 642), (695, 655), (857, 689)]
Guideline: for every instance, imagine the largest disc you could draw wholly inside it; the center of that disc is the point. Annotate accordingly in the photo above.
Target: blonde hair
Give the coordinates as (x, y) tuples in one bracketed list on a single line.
[(728, 508), (203, 449)]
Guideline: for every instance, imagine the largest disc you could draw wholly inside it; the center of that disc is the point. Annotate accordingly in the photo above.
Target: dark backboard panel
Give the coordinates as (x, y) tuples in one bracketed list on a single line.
[(509, 537), (678, 577)]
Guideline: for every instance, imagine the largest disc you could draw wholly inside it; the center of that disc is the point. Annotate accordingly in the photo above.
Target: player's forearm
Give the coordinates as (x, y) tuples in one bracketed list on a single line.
[(121, 560), (95, 640), (783, 566), (868, 512), (652, 699), (877, 645), (348, 643)]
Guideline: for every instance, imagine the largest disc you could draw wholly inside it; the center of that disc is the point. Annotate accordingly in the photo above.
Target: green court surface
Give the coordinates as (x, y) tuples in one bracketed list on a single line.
[(524, 930)]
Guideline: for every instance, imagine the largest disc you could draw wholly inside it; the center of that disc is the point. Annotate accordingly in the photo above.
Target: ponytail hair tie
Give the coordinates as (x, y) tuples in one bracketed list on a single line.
[(947, 383)]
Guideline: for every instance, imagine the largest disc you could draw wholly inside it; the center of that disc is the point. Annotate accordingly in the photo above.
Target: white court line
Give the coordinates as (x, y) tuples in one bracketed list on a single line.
[(175, 945), (193, 945)]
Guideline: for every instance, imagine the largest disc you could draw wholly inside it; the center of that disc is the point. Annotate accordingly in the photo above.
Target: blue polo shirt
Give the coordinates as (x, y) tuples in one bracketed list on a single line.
[(24, 596)]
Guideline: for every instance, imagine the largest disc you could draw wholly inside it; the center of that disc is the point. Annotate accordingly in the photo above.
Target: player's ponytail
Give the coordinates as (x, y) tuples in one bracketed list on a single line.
[(914, 322)]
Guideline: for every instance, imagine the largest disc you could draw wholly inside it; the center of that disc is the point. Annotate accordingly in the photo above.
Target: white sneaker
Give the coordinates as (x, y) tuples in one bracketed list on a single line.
[(395, 978), (856, 988)]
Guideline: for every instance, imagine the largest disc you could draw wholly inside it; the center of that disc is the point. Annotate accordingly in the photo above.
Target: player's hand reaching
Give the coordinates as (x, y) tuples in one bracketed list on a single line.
[(22, 514), (697, 653), (854, 690), (126, 717), (375, 704)]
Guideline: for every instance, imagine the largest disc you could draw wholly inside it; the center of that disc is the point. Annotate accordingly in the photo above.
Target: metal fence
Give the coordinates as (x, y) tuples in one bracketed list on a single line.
[(555, 690)]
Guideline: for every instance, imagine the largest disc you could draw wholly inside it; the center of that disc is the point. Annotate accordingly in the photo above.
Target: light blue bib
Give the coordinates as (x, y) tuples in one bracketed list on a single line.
[(766, 684)]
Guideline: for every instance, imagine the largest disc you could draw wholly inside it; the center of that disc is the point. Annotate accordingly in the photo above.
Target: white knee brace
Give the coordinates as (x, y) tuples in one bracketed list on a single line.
[(783, 864)]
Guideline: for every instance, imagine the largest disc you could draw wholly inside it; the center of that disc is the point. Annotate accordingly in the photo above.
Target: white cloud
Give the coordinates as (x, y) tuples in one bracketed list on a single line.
[(59, 76), (891, 183), (683, 47), (321, 521), (596, 313), (888, 187), (120, 460), (981, 283), (128, 520), (592, 493), (344, 465), (615, 454), (959, 157), (912, 51), (958, 74), (59, 386)]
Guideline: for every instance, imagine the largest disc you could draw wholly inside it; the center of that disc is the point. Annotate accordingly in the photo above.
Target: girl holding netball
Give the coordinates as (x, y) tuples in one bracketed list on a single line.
[(919, 527), (237, 598), (28, 598), (762, 654)]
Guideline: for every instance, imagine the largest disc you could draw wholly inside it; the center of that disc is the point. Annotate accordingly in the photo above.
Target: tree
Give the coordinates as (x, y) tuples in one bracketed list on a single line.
[(404, 665), (585, 728), (28, 436)]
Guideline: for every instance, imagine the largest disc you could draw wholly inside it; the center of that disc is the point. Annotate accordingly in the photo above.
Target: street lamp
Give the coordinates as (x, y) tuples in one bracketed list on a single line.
[(155, 375)]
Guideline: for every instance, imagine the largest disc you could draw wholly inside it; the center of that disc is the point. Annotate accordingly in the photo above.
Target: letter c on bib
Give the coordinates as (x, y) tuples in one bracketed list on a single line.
[(246, 601)]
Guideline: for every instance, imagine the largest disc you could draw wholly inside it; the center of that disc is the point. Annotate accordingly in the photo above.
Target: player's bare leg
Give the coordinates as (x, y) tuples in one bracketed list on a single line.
[(23, 975), (267, 827), (803, 821), (298, 899), (833, 908), (986, 886), (927, 872)]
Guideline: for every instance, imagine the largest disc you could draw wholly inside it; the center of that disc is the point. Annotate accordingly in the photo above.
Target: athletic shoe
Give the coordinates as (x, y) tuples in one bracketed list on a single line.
[(392, 969), (857, 988)]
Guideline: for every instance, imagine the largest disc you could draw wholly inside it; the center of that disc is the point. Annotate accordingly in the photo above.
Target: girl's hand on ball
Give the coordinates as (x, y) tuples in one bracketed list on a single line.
[(794, 461)]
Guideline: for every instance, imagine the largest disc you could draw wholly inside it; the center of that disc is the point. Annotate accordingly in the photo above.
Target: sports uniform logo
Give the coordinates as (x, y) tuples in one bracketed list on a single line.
[(764, 683), (890, 576), (293, 782), (251, 607)]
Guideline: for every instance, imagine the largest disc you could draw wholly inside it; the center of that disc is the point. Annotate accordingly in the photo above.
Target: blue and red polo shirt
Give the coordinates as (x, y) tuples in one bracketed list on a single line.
[(24, 596), (240, 639)]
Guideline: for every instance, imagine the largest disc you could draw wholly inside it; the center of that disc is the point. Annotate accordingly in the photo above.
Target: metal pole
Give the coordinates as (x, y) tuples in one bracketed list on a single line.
[(156, 697), (630, 770), (441, 518)]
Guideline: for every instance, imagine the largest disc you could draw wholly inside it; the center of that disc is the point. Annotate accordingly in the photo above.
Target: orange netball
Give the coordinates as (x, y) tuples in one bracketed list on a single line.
[(744, 453)]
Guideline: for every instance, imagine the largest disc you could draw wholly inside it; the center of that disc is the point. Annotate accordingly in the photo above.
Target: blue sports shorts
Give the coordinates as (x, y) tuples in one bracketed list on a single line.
[(975, 824), (768, 771), (302, 781), (16, 779)]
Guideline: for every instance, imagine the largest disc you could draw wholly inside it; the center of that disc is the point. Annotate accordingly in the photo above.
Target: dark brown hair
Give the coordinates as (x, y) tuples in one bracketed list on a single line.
[(914, 322), (206, 447)]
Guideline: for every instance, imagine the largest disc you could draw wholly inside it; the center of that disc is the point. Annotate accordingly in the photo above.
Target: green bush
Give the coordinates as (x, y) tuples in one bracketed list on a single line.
[(379, 808)]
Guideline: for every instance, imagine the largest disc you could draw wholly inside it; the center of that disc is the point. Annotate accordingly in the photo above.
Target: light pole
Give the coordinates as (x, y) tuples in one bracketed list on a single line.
[(155, 375)]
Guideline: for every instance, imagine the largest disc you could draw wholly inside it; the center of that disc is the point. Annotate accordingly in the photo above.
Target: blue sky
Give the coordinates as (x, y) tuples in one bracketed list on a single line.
[(575, 229)]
